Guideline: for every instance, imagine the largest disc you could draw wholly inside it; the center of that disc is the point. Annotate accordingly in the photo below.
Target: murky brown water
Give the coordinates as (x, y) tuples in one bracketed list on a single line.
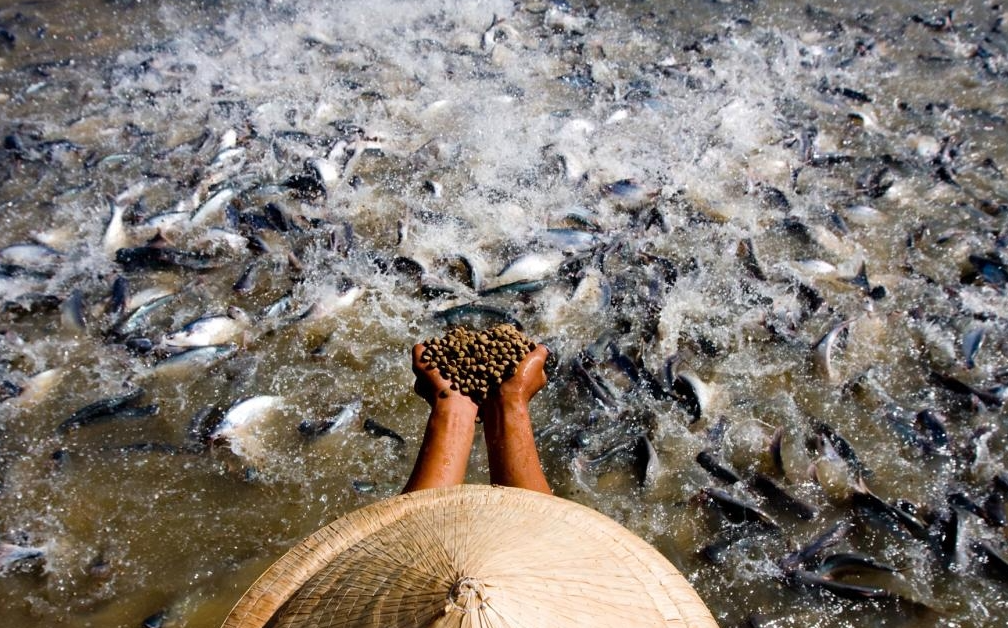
[(824, 136)]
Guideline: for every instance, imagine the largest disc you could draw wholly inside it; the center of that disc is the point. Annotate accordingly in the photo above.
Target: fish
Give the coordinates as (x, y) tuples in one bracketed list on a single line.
[(991, 270), (806, 554), (135, 320), (518, 287), (195, 358), (992, 559), (738, 510), (478, 315), (209, 330), (823, 349), (716, 468), (836, 565), (12, 556), (378, 430), (831, 471), (746, 252), (246, 282), (790, 455), (114, 237), (36, 388), (993, 397), (690, 391), (843, 449), (155, 620), (838, 588), (31, 257), (201, 425), (777, 496), (239, 427), (72, 312), (347, 415), (119, 296), (933, 424), (971, 343), (163, 258), (864, 499), (212, 209), (527, 268), (104, 410)]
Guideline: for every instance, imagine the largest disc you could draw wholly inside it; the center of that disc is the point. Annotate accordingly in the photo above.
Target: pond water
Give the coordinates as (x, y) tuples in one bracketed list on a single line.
[(767, 231)]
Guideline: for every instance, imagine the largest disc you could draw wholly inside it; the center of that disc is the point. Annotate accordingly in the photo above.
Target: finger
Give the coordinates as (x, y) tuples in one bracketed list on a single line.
[(535, 359)]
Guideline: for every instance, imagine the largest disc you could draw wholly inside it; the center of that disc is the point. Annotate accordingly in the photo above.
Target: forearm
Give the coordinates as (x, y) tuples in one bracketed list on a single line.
[(447, 443), (511, 448)]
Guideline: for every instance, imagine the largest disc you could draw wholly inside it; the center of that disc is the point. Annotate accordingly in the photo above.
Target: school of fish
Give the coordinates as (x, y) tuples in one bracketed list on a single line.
[(766, 244)]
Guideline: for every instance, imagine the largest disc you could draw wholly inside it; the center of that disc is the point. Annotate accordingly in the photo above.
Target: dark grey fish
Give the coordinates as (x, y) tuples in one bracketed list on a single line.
[(570, 239), (846, 563), (961, 501), (247, 281), (138, 317), (119, 297), (201, 425), (477, 315), (319, 427), (746, 252), (517, 287), (599, 390), (838, 588), (905, 429), (307, 185), (738, 510), (830, 537), (72, 312), (101, 410), (139, 345), (12, 555), (843, 448), (277, 218), (688, 390), (994, 510), (971, 345), (162, 258), (993, 397), (991, 558), (146, 447), (157, 620), (363, 486), (777, 496), (712, 465), (933, 424), (9, 389), (715, 551), (865, 500), (377, 430), (991, 270), (945, 538)]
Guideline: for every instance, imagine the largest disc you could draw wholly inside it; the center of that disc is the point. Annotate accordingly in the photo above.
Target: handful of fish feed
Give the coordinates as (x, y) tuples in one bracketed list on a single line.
[(477, 362)]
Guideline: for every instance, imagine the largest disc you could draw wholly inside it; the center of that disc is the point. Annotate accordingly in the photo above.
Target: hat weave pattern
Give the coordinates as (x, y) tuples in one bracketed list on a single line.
[(471, 556)]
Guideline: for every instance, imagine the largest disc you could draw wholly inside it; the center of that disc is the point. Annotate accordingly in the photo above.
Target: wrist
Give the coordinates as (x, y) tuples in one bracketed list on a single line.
[(454, 404)]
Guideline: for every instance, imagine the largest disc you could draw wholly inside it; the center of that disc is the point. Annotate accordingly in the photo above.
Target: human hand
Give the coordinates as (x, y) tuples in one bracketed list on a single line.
[(529, 378), (434, 388)]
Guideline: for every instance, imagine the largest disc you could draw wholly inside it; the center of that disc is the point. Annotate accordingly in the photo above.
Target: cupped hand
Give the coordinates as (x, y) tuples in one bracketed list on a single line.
[(529, 378), (430, 385)]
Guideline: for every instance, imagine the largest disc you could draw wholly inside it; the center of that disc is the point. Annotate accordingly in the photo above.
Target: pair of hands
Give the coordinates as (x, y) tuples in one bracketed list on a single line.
[(528, 379)]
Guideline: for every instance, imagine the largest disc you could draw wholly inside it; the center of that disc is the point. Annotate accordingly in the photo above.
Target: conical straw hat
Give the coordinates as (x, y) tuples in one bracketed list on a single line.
[(471, 555)]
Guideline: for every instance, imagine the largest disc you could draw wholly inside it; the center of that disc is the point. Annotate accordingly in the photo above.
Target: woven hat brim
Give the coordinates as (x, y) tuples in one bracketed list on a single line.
[(541, 556)]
